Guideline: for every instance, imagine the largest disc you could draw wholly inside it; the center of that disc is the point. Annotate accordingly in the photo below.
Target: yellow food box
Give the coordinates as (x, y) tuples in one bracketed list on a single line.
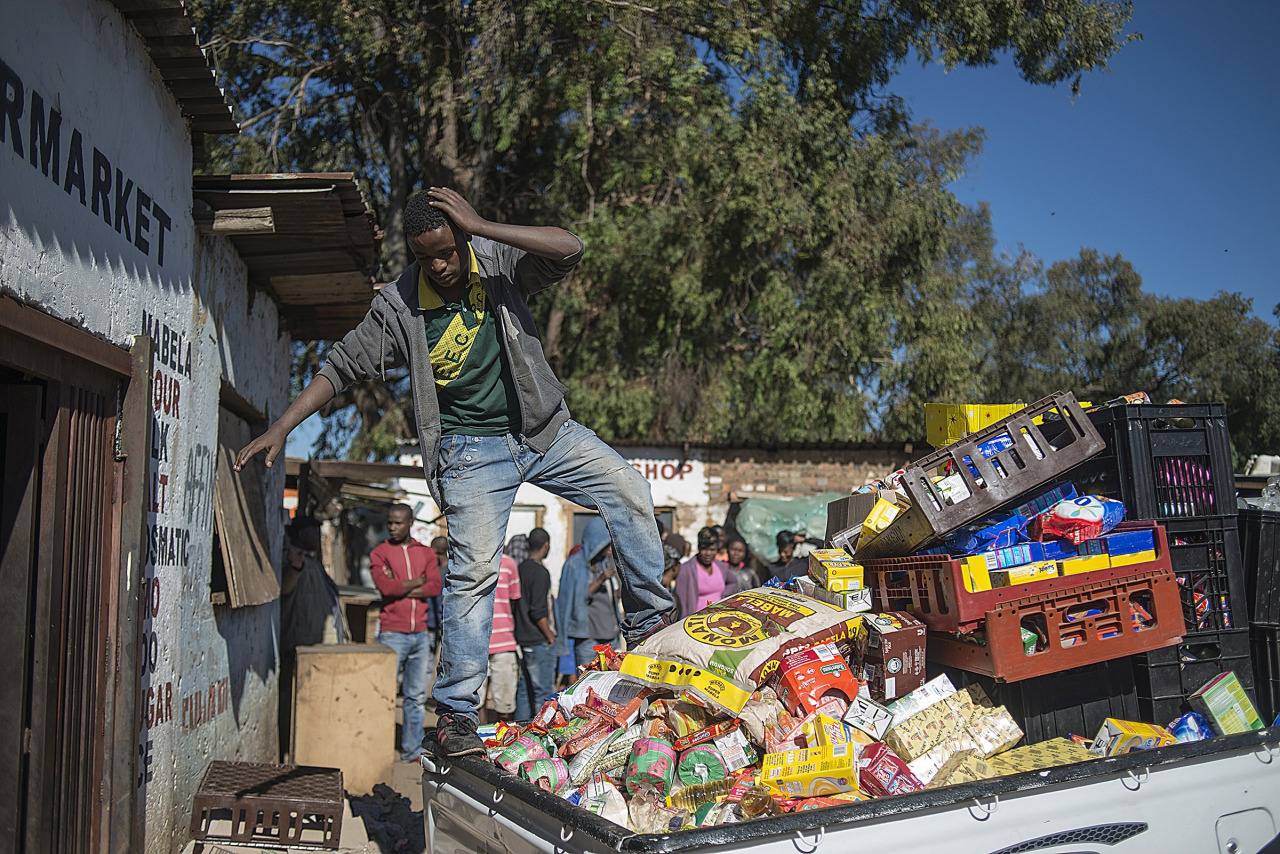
[(838, 575), (882, 514), (1026, 574), (976, 573), (1034, 757), (1136, 557), (1083, 563), (1116, 737), (971, 769), (811, 772), (825, 731)]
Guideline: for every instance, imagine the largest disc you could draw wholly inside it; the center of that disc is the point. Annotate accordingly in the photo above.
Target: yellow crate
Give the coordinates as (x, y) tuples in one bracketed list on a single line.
[(945, 423)]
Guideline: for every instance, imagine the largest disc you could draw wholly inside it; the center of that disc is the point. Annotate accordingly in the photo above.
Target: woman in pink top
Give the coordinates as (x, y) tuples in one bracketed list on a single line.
[(703, 580)]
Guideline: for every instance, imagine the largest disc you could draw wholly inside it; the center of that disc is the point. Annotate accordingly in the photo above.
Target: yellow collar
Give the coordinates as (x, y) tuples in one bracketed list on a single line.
[(429, 298)]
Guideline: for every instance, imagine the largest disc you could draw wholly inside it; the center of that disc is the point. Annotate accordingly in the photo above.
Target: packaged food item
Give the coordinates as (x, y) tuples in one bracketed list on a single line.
[(943, 758), (1036, 757), (882, 514), (692, 797), (1041, 571), (1131, 559), (807, 677), (524, 749), (1015, 555), (890, 650), (648, 813), (652, 766), (550, 775), (1084, 563), (704, 736), (758, 801), (811, 772), (722, 653), (1120, 543), (921, 698), (1046, 500), (1224, 702), (993, 533), (869, 717), (1191, 727), (736, 751), (834, 570), (882, 773), (608, 685), (1116, 737), (761, 711), (701, 764), (1079, 519), (602, 798), (970, 769), (828, 730), (681, 719), (596, 730)]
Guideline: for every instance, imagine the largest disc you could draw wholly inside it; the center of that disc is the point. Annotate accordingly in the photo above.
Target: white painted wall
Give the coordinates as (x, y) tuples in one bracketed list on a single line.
[(210, 678)]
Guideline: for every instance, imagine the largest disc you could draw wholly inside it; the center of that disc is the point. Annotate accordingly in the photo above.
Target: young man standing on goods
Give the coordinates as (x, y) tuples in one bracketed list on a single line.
[(490, 415)]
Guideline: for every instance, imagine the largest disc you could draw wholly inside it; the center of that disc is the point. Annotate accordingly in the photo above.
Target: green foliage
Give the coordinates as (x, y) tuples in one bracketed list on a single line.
[(773, 251)]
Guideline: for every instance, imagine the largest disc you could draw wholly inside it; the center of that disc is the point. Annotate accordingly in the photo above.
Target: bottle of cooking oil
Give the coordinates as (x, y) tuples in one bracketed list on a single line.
[(691, 797), (758, 801)]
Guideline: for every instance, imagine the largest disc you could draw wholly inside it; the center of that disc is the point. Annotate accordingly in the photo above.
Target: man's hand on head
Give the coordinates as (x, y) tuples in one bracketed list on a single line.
[(458, 209)]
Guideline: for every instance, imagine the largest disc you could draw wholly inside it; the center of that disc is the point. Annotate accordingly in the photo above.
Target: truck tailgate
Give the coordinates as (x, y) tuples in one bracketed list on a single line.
[(1219, 795)]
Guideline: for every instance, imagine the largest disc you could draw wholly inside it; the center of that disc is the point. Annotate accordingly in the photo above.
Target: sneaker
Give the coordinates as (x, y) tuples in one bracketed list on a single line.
[(455, 736), (637, 638)]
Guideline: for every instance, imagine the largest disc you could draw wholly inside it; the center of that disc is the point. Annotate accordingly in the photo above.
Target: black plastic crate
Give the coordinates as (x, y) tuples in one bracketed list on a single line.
[(1205, 554), (1260, 550), (1266, 670), (1073, 702), (1166, 677), (1163, 462)]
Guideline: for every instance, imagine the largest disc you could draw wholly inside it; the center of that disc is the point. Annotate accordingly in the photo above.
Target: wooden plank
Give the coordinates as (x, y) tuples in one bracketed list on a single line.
[(232, 399), (240, 515), (323, 288), (38, 326), (243, 221)]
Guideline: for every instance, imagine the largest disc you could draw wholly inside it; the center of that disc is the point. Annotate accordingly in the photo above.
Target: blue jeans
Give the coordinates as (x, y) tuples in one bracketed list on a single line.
[(537, 679), (414, 653), (479, 476)]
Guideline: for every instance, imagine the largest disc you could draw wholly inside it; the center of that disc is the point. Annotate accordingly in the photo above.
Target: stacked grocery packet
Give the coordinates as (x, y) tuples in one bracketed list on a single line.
[(777, 699)]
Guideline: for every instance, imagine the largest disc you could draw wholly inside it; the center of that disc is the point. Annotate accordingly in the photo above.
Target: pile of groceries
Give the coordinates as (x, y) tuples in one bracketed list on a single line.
[(785, 698), (814, 693)]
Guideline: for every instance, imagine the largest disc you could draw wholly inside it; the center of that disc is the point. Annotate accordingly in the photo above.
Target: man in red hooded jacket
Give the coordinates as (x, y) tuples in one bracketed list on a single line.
[(407, 575)]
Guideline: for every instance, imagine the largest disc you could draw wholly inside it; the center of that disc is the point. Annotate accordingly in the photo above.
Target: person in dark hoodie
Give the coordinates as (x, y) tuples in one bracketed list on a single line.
[(490, 415), (585, 610)]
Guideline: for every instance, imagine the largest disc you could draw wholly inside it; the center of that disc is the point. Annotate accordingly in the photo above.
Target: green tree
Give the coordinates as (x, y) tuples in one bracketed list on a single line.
[(764, 224)]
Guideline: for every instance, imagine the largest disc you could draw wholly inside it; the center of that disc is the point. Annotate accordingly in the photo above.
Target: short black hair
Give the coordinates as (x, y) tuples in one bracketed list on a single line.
[(785, 538), (420, 216), (707, 538), (538, 538), (401, 508)]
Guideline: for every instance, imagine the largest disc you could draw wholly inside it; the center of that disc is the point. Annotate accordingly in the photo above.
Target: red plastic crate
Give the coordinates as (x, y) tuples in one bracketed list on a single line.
[(1069, 641), (931, 587)]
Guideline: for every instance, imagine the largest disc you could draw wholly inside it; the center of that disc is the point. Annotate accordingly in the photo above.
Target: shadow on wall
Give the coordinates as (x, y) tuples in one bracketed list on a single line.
[(251, 640)]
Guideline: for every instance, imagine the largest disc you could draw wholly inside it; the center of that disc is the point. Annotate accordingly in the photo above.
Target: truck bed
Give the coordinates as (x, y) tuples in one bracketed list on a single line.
[(1217, 795)]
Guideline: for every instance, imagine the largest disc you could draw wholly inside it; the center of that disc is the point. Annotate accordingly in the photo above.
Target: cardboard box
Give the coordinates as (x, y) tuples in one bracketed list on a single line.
[(882, 514), (810, 772), (848, 512), (836, 573), (806, 677), (890, 650), (1035, 757), (1013, 576), (1224, 702), (919, 733), (1083, 563), (970, 769), (869, 717), (976, 573), (1120, 543), (926, 695), (1130, 559), (1116, 737), (942, 759)]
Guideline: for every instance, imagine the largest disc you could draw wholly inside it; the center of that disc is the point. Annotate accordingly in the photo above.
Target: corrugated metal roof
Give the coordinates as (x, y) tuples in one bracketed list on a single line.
[(165, 27), (319, 253)]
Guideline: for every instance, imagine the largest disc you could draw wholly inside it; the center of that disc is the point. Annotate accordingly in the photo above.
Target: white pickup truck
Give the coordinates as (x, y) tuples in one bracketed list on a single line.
[(1219, 795)]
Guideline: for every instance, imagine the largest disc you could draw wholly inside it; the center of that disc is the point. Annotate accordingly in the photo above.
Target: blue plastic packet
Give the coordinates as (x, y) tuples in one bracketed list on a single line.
[(988, 535), (1191, 727), (1046, 499)]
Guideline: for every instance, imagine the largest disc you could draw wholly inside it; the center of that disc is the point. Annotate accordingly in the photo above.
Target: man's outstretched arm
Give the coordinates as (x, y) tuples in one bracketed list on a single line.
[(317, 393), (545, 241)]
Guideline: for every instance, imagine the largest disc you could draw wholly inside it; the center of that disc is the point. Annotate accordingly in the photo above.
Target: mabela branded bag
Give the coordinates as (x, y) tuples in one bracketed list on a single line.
[(725, 651)]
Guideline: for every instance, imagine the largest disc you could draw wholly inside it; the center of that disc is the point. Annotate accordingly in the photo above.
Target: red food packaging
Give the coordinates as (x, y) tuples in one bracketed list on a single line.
[(703, 736), (592, 733), (607, 657), (806, 677), (882, 773)]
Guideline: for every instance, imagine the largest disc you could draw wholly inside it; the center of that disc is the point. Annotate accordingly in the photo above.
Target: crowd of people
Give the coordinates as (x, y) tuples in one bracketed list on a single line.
[(538, 639)]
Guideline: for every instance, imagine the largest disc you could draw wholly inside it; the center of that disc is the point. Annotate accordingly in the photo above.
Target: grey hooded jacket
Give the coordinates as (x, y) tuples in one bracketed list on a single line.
[(393, 334)]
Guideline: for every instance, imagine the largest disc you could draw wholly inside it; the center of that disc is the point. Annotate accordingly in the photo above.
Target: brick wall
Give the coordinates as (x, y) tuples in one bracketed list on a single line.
[(797, 472)]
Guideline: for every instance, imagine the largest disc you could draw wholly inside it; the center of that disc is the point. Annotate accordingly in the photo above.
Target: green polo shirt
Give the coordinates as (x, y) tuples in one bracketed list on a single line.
[(473, 381)]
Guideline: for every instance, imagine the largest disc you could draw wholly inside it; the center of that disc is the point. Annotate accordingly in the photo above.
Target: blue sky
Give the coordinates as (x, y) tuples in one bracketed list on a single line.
[(1169, 158)]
